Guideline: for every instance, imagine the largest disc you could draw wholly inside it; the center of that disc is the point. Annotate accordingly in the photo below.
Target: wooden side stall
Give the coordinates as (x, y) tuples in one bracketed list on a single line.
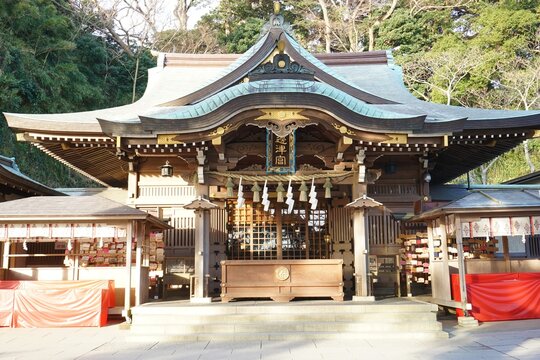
[(281, 280)]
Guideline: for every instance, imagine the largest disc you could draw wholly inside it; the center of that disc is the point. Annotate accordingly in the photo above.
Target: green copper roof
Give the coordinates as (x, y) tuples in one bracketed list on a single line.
[(319, 64), (275, 86), (242, 59)]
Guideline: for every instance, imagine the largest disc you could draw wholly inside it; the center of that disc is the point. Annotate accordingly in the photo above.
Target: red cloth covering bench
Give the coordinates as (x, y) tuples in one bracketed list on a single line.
[(505, 296), (55, 303)]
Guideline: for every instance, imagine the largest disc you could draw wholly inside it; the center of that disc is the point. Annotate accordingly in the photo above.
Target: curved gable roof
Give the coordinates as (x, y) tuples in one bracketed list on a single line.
[(199, 116)]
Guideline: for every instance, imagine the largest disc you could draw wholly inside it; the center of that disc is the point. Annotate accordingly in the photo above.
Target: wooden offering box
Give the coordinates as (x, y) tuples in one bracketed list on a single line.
[(281, 280)]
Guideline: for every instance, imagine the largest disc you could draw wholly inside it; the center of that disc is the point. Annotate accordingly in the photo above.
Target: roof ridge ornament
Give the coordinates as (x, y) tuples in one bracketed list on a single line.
[(277, 21), (277, 7), (282, 65)]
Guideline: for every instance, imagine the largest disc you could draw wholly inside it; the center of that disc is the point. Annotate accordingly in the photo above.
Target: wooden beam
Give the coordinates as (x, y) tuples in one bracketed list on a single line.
[(343, 144)]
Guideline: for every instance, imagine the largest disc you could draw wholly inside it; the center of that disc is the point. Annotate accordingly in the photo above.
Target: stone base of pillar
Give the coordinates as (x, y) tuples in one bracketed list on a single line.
[(363, 298), (467, 321), (201, 300)]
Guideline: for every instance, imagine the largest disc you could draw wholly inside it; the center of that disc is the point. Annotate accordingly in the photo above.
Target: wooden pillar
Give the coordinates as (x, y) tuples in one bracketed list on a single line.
[(133, 187), (360, 254), (360, 240), (202, 248), (202, 253), (138, 263), (461, 266), (127, 287), (445, 275), (306, 230), (279, 230), (253, 216), (506, 254), (431, 249), (75, 270), (5, 257), (146, 244)]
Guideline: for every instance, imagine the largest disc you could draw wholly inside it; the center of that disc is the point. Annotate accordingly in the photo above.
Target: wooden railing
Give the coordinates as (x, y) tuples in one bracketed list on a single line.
[(383, 229), (166, 194), (410, 189), (183, 234)]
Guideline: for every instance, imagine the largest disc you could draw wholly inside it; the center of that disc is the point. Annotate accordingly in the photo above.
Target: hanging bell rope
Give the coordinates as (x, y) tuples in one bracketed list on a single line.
[(277, 177)]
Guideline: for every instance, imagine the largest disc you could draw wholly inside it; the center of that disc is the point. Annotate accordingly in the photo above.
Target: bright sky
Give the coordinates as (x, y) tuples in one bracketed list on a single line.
[(163, 12), (194, 14)]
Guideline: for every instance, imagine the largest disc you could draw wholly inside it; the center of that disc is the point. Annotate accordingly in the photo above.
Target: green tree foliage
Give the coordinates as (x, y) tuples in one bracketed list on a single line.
[(481, 54), (49, 65), (411, 34), (237, 24)]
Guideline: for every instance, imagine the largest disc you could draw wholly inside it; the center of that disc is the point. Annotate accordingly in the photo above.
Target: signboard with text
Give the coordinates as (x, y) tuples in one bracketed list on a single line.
[(280, 153)]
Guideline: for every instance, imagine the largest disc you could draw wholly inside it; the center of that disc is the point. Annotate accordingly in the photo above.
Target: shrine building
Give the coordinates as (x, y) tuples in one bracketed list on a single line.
[(284, 173)]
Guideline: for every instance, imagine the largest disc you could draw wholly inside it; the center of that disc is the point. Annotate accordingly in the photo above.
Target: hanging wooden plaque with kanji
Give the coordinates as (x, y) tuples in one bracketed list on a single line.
[(280, 153)]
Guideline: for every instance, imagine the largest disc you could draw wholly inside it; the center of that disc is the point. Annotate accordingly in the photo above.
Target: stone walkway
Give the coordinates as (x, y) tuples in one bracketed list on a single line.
[(500, 340)]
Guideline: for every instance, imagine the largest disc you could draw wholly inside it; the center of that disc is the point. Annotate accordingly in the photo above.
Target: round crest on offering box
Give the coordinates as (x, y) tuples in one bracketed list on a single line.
[(282, 273)]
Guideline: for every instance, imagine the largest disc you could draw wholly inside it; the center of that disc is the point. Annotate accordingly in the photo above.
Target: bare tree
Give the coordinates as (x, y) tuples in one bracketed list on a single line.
[(181, 12), (524, 82), (131, 24), (442, 72), (516, 85), (327, 26), (378, 23), (480, 174), (344, 25), (200, 40), (522, 78)]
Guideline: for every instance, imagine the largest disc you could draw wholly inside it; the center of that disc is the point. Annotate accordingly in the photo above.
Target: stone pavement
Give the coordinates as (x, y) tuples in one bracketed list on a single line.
[(499, 340)]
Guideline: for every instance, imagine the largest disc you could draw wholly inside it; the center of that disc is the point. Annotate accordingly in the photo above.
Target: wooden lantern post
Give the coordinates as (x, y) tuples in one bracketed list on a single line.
[(361, 247), (202, 209)]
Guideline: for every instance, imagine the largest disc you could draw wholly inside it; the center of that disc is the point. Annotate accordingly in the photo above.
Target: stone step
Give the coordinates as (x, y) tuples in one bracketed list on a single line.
[(223, 309), (166, 319), (290, 327), (256, 320), (293, 336)]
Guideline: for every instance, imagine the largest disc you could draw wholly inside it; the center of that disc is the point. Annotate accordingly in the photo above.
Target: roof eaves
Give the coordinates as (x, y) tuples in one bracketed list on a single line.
[(28, 183)]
